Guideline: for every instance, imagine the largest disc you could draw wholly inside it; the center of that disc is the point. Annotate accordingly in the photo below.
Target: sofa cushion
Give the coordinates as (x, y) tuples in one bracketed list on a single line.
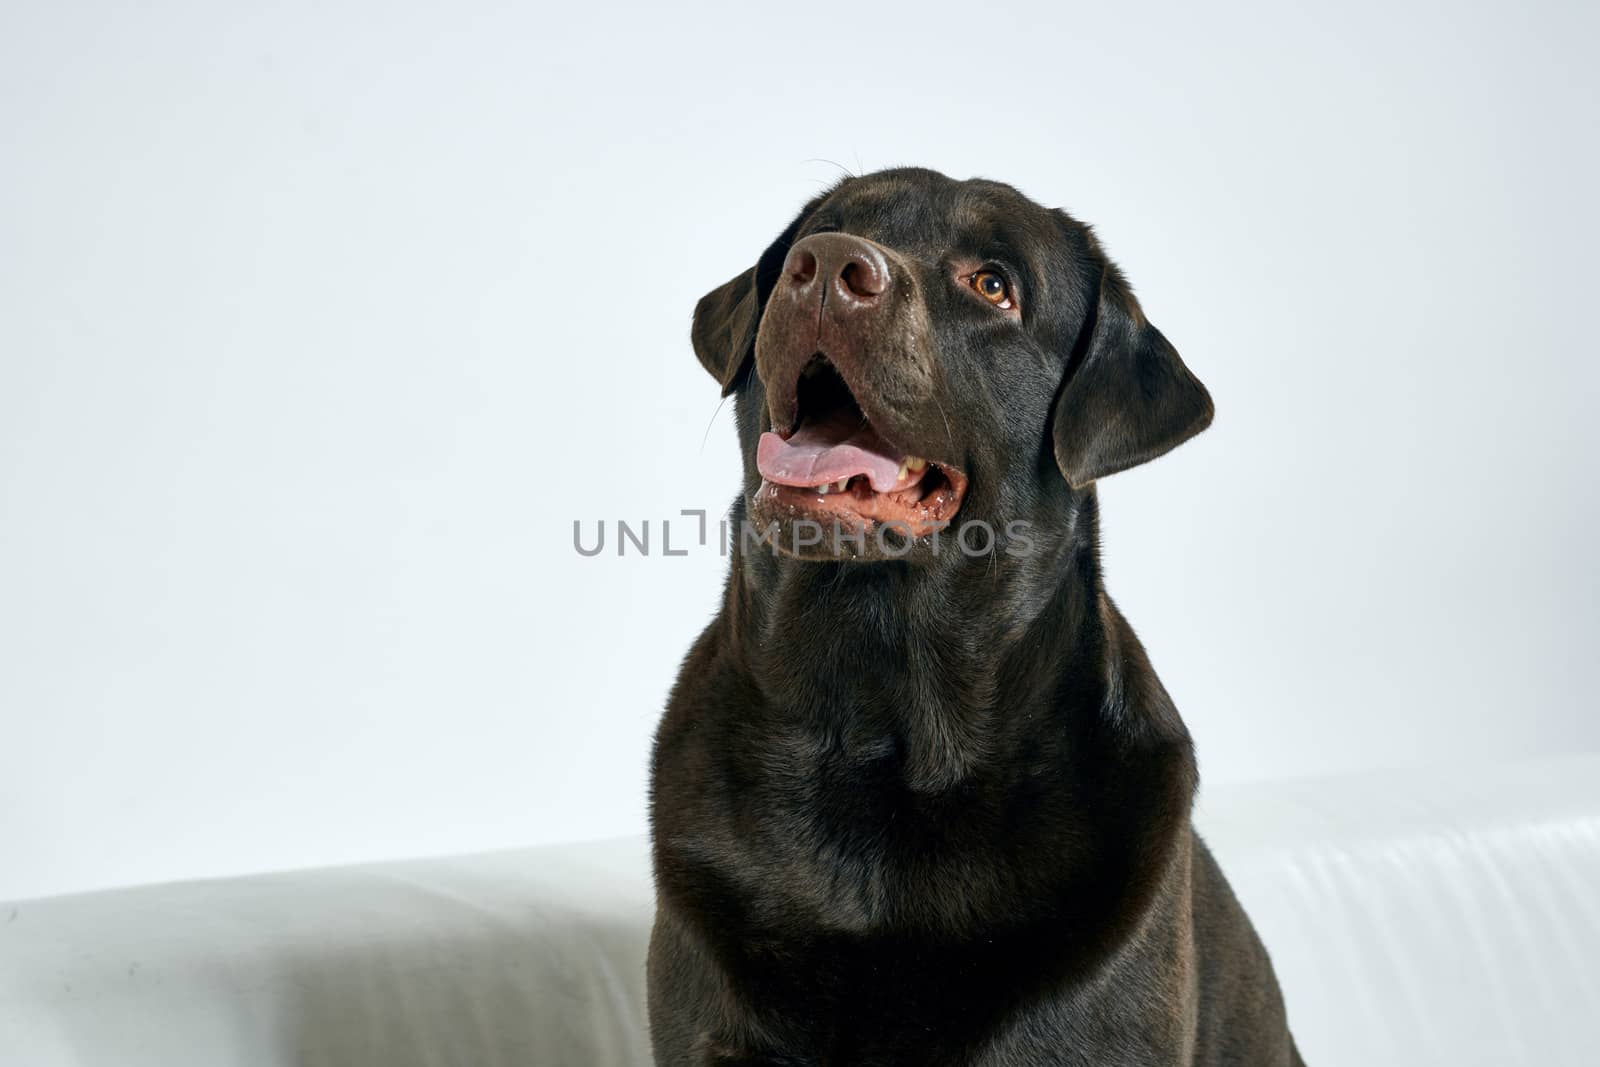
[(1414, 918)]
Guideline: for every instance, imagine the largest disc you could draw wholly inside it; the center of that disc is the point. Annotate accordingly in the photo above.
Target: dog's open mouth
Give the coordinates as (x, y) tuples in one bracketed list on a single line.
[(836, 465)]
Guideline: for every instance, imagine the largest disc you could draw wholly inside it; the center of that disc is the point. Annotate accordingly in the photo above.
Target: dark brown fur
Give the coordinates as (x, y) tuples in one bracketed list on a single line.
[(935, 811)]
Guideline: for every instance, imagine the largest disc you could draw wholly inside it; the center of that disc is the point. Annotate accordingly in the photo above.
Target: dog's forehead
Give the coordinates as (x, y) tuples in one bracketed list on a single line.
[(925, 213), (927, 216)]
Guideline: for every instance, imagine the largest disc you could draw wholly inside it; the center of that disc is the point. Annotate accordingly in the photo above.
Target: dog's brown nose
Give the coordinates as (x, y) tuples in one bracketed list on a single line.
[(854, 270)]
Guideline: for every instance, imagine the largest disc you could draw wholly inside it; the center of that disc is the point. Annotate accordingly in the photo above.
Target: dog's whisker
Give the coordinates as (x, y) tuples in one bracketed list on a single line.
[(949, 438), (835, 163), (712, 422)]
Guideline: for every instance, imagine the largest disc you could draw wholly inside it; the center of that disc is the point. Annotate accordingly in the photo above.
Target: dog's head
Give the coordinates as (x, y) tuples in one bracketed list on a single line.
[(915, 353)]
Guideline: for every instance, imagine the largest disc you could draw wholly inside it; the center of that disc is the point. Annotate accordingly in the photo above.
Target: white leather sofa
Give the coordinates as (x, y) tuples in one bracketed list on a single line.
[(1446, 917)]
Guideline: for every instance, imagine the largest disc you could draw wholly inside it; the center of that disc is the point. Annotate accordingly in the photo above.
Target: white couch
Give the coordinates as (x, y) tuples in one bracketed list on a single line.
[(1446, 917)]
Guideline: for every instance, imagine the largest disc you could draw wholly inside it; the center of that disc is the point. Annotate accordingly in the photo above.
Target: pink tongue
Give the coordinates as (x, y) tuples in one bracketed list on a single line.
[(819, 453)]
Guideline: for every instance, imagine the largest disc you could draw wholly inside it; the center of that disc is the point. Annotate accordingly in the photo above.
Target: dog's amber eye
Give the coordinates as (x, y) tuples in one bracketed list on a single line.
[(993, 288)]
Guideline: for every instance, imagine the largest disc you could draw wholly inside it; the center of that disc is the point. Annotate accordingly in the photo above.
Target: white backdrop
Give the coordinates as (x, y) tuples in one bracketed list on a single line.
[(319, 326)]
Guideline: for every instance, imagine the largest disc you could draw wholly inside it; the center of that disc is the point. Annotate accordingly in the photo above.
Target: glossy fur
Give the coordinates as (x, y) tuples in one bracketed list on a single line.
[(936, 811)]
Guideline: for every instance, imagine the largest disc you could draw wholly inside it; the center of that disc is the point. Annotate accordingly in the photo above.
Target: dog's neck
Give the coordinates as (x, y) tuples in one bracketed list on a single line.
[(956, 666)]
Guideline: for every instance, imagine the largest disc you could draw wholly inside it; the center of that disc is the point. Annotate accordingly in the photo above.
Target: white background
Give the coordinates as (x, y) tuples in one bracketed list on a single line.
[(319, 326)]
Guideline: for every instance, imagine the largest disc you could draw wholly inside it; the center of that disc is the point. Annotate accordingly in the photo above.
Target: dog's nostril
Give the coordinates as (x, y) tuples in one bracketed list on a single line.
[(801, 266), (863, 279)]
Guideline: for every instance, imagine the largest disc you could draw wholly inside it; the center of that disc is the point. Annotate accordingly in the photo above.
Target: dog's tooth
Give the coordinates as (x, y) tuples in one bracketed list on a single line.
[(841, 483), (902, 475), (915, 463), (825, 488)]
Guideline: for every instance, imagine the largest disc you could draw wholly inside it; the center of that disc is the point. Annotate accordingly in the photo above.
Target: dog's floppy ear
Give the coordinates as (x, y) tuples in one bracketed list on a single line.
[(724, 329), (1127, 397), (725, 319)]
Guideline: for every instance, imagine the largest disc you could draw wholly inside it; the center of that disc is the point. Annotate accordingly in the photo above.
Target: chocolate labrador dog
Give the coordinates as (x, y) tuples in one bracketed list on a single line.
[(918, 797)]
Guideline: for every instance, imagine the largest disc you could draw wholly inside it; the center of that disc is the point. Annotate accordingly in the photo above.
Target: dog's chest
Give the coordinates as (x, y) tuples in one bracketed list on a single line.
[(835, 835)]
